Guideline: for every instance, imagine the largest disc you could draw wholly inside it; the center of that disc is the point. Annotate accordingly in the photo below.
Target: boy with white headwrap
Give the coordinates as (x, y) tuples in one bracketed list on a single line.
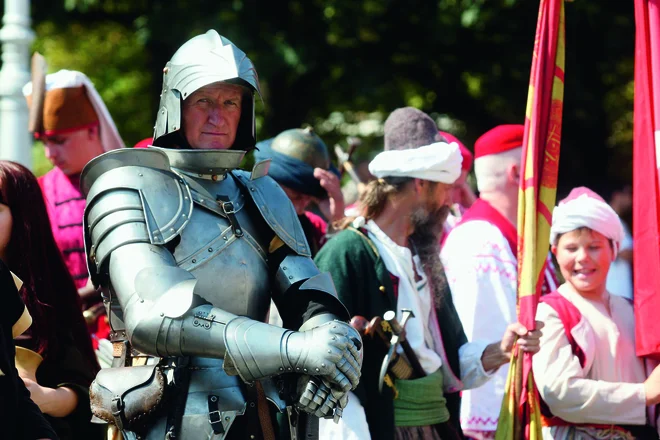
[(388, 259), (592, 384)]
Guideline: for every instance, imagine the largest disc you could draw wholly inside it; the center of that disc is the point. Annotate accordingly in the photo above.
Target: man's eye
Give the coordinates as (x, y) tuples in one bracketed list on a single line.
[(231, 102)]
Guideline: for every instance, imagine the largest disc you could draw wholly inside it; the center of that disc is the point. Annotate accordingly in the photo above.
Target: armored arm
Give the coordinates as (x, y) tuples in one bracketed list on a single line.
[(134, 212)]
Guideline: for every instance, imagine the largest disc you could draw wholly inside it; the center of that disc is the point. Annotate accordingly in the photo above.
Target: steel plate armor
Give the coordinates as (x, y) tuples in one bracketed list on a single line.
[(189, 258)]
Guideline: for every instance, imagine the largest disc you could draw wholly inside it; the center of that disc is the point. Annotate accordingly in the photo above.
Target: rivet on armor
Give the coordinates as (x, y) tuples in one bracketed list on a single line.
[(382, 288), (252, 188), (214, 399), (283, 267), (305, 370), (290, 277), (162, 314), (142, 300), (289, 368), (140, 174), (329, 351), (334, 337), (281, 369), (238, 232), (185, 94), (251, 435), (194, 261), (210, 249), (297, 368), (323, 365), (162, 112), (317, 370), (227, 419), (201, 200), (225, 238), (174, 128), (165, 70)]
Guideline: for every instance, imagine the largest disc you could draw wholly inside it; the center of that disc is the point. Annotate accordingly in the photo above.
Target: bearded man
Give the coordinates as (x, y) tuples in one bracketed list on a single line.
[(388, 259)]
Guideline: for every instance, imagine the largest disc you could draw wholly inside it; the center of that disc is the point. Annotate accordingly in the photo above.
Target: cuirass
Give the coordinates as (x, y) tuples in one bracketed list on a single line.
[(229, 263)]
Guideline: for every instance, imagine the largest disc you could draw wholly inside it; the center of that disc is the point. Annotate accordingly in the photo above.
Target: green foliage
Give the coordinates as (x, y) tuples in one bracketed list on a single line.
[(343, 65), (113, 58), (40, 165)]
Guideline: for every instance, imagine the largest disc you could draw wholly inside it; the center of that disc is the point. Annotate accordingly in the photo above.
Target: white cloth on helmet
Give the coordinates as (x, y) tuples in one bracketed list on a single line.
[(438, 162), (585, 211), (110, 139)]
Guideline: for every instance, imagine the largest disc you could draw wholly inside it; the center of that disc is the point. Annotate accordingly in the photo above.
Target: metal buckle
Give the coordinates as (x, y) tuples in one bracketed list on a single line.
[(228, 208), (218, 414)]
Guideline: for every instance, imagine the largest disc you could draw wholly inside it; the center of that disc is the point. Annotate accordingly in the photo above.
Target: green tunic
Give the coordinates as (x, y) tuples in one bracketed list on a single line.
[(365, 286)]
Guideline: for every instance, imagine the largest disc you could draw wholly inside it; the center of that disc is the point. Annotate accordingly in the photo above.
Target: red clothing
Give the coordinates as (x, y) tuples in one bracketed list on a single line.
[(66, 206), (482, 210), (315, 229)]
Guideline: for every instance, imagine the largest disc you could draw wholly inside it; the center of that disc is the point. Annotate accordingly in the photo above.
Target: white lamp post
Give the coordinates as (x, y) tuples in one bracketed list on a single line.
[(16, 37)]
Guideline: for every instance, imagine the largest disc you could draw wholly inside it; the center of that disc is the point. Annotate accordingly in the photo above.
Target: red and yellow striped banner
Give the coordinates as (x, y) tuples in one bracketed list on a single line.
[(520, 414)]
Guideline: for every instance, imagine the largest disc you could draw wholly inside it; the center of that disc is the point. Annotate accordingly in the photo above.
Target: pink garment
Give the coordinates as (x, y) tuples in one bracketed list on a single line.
[(315, 229), (66, 206)]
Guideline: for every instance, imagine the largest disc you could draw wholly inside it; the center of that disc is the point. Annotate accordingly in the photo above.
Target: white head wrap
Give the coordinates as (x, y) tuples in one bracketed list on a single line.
[(110, 139), (438, 162), (584, 208)]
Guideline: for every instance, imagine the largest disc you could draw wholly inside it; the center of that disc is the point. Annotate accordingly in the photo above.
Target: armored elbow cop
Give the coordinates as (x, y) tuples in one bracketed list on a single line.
[(255, 350)]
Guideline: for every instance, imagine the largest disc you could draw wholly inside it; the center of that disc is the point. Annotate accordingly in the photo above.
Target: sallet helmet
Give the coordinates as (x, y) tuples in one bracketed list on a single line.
[(203, 60)]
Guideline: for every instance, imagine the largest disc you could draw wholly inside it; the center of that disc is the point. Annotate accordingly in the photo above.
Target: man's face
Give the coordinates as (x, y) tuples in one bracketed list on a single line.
[(70, 152), (299, 200), (457, 188), (211, 115), (433, 208)]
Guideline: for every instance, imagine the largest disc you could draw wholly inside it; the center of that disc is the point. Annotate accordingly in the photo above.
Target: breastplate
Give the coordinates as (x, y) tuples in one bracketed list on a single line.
[(229, 261)]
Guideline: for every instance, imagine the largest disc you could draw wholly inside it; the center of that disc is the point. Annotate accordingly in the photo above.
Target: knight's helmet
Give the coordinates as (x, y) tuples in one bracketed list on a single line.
[(203, 60), (304, 145)]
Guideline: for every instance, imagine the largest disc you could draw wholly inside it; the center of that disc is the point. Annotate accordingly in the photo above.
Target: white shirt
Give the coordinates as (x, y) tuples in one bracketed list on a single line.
[(482, 275), (609, 389), (414, 295)]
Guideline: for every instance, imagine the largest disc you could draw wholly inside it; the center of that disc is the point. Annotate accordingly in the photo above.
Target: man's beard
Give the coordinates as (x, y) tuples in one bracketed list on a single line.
[(425, 242)]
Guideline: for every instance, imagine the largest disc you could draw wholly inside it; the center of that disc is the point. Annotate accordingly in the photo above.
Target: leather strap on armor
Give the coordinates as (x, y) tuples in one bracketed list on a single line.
[(215, 416), (230, 213)]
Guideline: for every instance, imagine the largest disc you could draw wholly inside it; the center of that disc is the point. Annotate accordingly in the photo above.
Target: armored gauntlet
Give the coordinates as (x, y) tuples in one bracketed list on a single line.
[(255, 350)]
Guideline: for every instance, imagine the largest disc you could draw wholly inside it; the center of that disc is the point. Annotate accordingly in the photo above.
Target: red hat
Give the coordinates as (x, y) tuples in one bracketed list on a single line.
[(468, 158), (499, 139)]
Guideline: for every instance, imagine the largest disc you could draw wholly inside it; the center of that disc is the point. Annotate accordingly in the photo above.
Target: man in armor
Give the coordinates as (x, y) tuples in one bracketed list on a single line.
[(189, 251), (301, 165)]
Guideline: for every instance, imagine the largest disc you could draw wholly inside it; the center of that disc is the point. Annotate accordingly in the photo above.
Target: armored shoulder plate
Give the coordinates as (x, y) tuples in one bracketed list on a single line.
[(276, 209), (132, 196)]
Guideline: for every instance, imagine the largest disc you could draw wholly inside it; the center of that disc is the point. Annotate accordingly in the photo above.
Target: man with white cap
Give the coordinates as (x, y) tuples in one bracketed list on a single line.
[(75, 128), (480, 259), (388, 259), (591, 381)]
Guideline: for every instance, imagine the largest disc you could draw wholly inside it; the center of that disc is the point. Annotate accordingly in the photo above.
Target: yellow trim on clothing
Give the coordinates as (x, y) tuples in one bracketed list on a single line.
[(23, 323)]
